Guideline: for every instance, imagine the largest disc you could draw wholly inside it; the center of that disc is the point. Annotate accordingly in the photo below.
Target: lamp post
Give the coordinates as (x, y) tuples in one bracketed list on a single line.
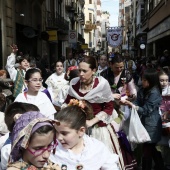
[(128, 36), (72, 19), (106, 40)]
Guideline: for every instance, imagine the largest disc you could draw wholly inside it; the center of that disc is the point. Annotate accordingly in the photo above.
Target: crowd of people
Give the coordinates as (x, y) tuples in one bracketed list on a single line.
[(77, 117)]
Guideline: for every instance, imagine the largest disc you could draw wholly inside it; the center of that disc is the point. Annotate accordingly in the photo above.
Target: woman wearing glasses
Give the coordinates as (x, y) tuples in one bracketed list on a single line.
[(33, 140), (33, 94)]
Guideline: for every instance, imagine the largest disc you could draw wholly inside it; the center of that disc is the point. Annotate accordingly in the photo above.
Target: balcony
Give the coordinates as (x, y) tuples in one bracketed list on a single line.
[(57, 22), (89, 26), (70, 5)]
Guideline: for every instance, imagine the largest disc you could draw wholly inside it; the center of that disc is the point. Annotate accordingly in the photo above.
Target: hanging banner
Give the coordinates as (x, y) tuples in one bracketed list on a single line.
[(114, 37)]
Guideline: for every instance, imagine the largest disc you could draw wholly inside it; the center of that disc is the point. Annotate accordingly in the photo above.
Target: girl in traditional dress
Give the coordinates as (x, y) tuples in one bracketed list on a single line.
[(60, 98), (165, 109), (33, 139), (56, 81), (97, 92), (75, 149), (34, 96), (165, 106)]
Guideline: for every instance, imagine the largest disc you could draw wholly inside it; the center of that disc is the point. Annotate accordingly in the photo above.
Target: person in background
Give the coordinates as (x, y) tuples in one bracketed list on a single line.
[(147, 105), (103, 64), (70, 61), (17, 75), (56, 81), (165, 109), (129, 64), (6, 85), (60, 98), (33, 94), (75, 149), (31, 150), (3, 127), (123, 87), (165, 59), (120, 79)]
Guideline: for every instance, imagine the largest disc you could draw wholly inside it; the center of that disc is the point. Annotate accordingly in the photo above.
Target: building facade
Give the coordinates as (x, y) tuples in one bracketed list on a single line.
[(40, 27)]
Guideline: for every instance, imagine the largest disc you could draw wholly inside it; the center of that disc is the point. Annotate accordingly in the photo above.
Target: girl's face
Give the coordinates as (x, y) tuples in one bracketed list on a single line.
[(39, 142), (59, 68), (25, 64), (69, 138), (164, 80), (35, 82), (145, 83), (85, 72)]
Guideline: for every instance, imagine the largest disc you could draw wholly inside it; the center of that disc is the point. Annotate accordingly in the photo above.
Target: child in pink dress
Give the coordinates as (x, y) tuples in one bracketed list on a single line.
[(165, 111)]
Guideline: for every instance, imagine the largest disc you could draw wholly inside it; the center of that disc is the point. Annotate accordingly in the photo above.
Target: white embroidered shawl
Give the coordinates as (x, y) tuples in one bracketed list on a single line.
[(100, 94)]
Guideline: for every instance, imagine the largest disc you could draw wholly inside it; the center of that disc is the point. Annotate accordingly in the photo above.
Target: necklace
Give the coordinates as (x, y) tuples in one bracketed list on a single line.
[(87, 86)]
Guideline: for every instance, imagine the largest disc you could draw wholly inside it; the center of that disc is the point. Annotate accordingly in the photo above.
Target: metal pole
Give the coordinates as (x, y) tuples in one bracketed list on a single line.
[(128, 44)]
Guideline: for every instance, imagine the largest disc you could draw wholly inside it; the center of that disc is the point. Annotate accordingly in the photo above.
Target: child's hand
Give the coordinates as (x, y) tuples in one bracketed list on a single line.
[(14, 48), (117, 96), (126, 102)]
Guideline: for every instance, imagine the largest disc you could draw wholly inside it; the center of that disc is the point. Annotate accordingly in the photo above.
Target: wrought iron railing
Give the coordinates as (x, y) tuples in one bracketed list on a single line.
[(57, 22)]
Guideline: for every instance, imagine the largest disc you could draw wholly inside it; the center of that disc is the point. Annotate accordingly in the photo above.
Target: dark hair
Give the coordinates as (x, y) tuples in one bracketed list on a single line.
[(117, 59), (91, 61), (15, 108), (151, 75), (162, 72), (2, 102), (73, 74), (58, 62), (30, 72), (102, 56), (75, 116), (43, 130), (24, 57)]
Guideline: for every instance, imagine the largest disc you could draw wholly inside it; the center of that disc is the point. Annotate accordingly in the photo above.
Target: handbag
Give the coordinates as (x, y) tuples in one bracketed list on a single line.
[(137, 132)]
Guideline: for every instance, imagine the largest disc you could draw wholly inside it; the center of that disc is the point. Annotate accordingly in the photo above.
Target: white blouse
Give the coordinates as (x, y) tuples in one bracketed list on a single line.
[(95, 156), (41, 101), (55, 83)]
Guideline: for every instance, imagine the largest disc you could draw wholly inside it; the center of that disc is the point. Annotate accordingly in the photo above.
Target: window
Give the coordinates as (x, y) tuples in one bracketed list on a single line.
[(90, 1), (90, 17)]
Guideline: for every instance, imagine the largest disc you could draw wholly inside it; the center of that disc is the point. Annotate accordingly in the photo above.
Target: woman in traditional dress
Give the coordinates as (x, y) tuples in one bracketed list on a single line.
[(56, 81), (97, 92)]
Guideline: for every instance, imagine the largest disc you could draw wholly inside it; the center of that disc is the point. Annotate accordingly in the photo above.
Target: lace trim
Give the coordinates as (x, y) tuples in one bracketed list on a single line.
[(103, 116)]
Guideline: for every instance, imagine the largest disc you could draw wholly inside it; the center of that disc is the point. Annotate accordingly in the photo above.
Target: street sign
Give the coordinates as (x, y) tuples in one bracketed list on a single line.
[(52, 35), (72, 36)]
